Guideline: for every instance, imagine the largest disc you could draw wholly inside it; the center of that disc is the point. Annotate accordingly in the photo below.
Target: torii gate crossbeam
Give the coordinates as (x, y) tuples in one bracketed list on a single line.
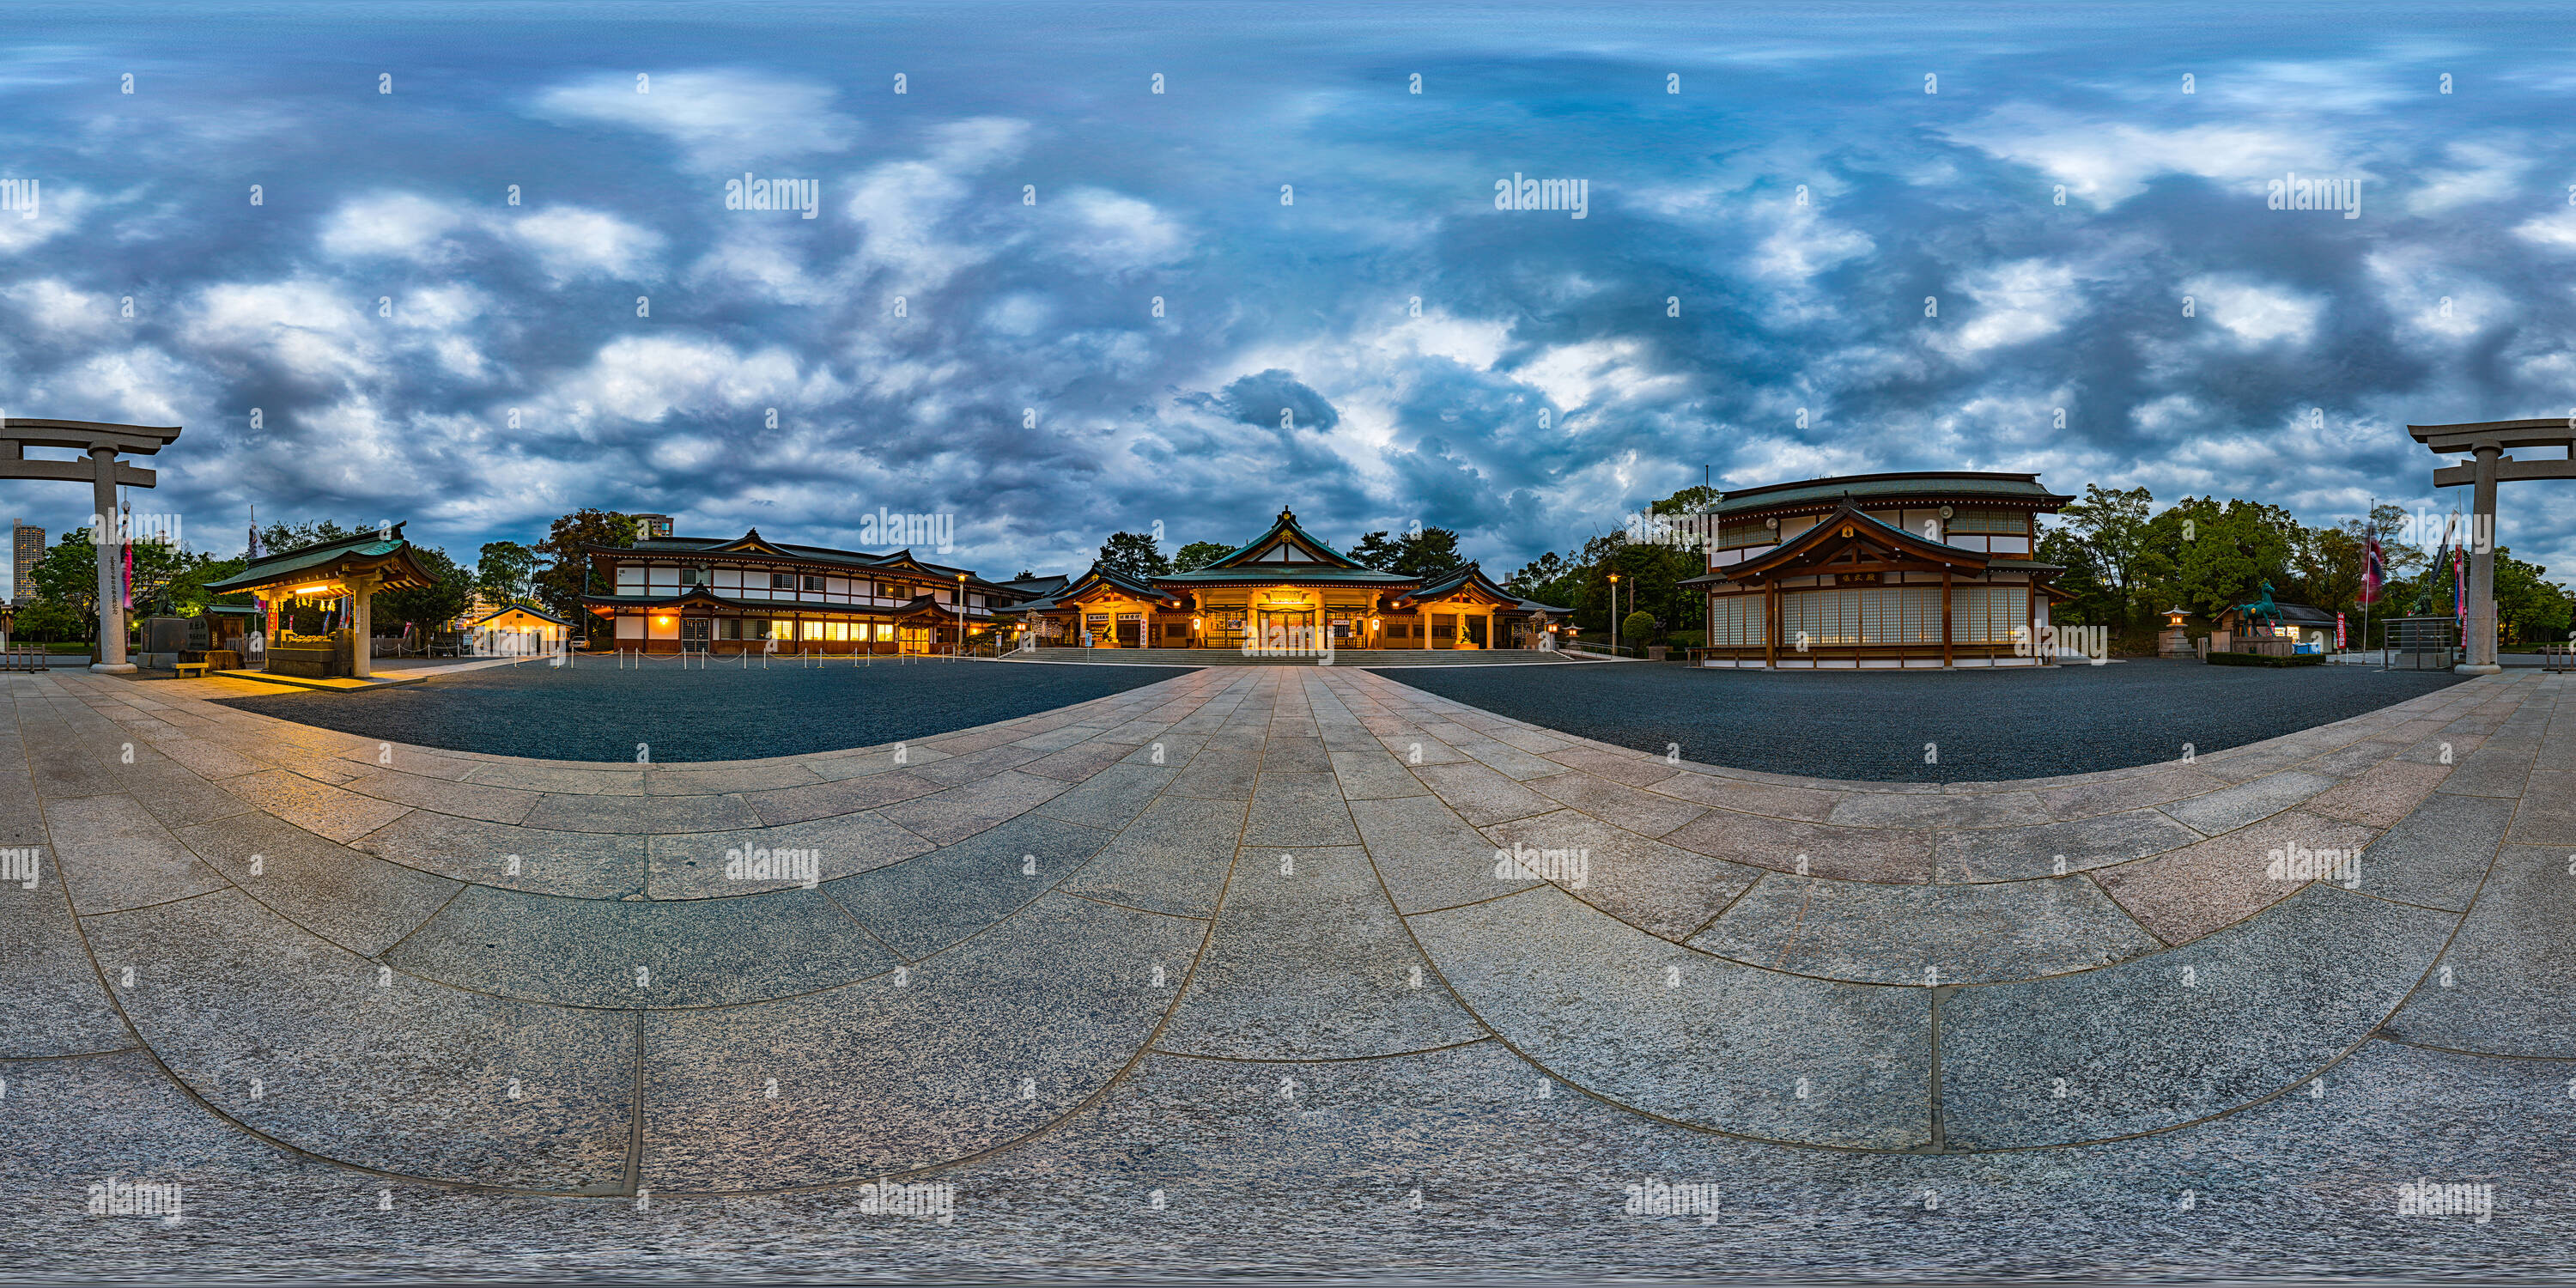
[(102, 443), (2487, 442)]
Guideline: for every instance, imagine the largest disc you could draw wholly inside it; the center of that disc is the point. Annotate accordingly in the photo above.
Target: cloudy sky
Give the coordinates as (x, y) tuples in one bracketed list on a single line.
[(969, 321)]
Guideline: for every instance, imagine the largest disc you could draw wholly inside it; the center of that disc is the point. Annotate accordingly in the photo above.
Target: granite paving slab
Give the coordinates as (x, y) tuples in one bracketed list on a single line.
[(640, 954), (2056, 849), (582, 865), (356, 901), (928, 902), (111, 853), (2184, 894), (968, 1050), (1172, 859), (1308, 960), (1664, 890), (1955, 934), (367, 1065), (1685, 1036), (2503, 985), (2177, 1036), (56, 1006)]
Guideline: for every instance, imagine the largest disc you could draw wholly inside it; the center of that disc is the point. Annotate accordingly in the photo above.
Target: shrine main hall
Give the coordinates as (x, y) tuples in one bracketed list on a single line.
[(1286, 589)]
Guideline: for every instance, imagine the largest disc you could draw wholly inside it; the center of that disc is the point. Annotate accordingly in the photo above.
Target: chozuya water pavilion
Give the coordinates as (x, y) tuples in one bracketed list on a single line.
[(1285, 589), (349, 569)]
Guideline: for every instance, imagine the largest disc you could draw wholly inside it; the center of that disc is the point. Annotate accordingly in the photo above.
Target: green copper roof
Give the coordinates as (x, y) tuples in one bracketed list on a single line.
[(1289, 572), (1285, 525), (269, 569), (2023, 488)]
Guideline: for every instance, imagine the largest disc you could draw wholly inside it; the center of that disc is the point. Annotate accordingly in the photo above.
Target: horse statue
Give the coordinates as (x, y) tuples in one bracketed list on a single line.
[(2262, 608)]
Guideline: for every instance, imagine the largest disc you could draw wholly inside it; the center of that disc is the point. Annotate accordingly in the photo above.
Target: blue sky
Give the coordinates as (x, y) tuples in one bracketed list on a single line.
[(1795, 202)]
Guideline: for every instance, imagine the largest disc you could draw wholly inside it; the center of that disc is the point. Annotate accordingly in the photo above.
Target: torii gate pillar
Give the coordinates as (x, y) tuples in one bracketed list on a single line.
[(103, 442), (2486, 442)]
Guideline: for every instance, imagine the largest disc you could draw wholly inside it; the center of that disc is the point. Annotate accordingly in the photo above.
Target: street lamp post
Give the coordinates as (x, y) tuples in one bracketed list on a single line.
[(961, 615), (1614, 614)]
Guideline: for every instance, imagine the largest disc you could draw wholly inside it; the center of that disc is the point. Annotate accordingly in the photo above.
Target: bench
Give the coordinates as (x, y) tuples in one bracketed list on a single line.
[(188, 670)]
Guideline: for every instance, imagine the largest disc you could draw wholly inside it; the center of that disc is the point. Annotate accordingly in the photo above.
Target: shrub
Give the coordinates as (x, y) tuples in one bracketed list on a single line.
[(1637, 627), (2259, 659)]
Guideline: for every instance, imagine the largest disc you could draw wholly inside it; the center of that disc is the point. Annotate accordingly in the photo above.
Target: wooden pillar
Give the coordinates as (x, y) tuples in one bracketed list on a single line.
[(1946, 659), (362, 627), (1771, 625)]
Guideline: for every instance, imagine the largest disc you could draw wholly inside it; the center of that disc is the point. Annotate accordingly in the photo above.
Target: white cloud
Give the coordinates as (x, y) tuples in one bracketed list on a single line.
[(2254, 314), (1112, 232), (2015, 303), (394, 225), (2107, 162), (722, 120), (2485, 173), (573, 241), (58, 210), (2552, 231), (54, 307)]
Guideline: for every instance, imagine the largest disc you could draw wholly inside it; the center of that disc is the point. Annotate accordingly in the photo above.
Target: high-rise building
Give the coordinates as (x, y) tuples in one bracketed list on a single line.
[(26, 550), (652, 527)]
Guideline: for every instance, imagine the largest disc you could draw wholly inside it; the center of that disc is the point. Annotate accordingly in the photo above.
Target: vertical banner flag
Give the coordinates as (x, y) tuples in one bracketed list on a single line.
[(2374, 572), (2338, 632)]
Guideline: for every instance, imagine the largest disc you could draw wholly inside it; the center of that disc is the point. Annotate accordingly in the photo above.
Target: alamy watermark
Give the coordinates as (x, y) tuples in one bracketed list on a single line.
[(930, 1200), (2090, 644), (21, 863), (1569, 868), (118, 1197), (804, 196), (114, 530), (2301, 864), (2421, 1197), (1520, 193), (1654, 1197), (886, 528), (20, 195), (747, 863), (2290, 192)]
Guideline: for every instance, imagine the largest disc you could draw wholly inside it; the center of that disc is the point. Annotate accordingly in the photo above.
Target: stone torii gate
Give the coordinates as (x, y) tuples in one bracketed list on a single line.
[(101, 442), (2487, 442)]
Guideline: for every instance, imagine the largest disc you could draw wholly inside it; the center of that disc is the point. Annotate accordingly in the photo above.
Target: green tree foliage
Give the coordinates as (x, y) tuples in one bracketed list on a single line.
[(1133, 554), (2530, 609), (563, 560), (429, 607), (1197, 555), (1427, 553), (1637, 628), (1373, 550), (1580, 580), (506, 572)]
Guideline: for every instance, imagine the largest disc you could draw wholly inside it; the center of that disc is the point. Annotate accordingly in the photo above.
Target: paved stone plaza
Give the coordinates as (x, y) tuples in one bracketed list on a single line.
[(1222, 975)]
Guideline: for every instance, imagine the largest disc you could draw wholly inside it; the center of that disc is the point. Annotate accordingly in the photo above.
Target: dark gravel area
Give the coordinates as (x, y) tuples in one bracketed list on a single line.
[(595, 711), (1984, 725)]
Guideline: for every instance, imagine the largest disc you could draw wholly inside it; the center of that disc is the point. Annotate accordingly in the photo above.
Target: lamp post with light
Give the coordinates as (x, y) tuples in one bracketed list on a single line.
[(1614, 614), (961, 615)]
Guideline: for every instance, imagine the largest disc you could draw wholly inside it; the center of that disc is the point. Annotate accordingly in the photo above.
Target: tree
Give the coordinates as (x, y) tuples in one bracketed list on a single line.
[(505, 572), (1426, 553), (2110, 528), (428, 607), (565, 560), (1133, 554), (67, 577), (1637, 627), (1537, 575), (1690, 500), (278, 537), (1197, 555), (1025, 575), (2530, 608), (1373, 550)]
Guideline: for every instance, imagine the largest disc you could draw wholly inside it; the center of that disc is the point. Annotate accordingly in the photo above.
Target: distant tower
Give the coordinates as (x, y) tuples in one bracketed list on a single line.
[(657, 527), (26, 550)]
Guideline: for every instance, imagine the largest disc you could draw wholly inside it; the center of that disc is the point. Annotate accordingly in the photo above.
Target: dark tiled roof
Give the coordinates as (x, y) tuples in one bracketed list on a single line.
[(1930, 486)]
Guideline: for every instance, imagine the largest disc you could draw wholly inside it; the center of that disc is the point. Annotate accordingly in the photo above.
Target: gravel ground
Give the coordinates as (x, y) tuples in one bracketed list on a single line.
[(1982, 725), (596, 711)]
